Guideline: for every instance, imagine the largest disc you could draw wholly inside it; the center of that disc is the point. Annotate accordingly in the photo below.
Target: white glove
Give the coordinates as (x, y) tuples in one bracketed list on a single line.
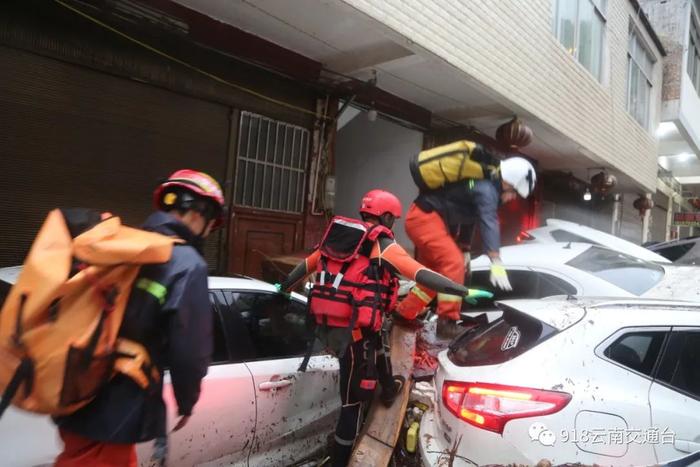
[(499, 276)]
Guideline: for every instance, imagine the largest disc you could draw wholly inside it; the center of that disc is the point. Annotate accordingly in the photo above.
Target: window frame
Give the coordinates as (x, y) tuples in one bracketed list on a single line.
[(693, 60), (635, 37), (610, 340), (663, 358), (259, 359), (215, 306), (600, 10)]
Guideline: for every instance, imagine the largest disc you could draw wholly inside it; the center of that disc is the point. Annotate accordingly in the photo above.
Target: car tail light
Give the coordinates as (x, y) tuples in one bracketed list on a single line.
[(491, 406), (523, 236)]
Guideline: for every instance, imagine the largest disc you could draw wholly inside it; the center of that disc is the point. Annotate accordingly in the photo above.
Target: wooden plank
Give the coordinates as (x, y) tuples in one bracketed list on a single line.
[(382, 427)]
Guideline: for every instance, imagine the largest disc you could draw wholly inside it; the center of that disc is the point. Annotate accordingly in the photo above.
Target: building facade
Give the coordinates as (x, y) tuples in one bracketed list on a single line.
[(300, 107), (677, 24)]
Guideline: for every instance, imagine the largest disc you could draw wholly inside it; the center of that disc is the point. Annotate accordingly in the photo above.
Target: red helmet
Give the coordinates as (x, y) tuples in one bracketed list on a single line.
[(197, 183), (378, 202)]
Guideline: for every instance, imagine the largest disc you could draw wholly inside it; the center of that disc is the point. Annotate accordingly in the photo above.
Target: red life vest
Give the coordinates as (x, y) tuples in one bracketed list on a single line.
[(352, 290)]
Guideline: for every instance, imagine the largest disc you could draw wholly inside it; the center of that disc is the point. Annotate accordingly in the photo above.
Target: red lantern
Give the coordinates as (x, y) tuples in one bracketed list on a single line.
[(514, 134), (603, 183), (643, 204)]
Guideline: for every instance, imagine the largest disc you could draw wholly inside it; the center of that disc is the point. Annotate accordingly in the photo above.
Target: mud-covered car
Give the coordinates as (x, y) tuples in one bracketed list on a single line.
[(571, 380), (255, 407)]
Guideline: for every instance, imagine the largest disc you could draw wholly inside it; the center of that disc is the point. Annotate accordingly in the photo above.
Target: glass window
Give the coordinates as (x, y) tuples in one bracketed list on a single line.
[(580, 27), (631, 274), (637, 351), (675, 252), (221, 354), (681, 363), (240, 343), (271, 164), (506, 338), (640, 64), (267, 325), (694, 54), (526, 284)]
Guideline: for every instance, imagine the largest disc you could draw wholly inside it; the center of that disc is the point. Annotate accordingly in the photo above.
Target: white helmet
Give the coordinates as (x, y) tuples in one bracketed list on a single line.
[(518, 171)]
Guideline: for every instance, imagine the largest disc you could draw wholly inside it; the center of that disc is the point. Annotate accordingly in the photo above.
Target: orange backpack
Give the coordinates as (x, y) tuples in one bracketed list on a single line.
[(59, 323)]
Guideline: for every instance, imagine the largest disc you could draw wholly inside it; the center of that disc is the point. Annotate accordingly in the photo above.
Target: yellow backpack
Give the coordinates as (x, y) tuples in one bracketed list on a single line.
[(454, 162), (59, 323)]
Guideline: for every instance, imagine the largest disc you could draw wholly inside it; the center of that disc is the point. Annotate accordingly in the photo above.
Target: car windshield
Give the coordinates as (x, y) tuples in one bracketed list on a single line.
[(631, 274)]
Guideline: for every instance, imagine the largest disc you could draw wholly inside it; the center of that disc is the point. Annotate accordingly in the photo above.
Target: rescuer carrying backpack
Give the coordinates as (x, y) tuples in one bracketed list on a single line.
[(59, 323)]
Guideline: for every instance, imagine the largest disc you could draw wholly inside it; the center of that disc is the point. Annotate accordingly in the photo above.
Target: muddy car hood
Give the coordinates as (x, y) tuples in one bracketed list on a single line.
[(679, 283)]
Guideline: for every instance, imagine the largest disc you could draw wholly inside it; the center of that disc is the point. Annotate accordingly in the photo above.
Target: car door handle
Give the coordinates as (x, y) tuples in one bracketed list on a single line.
[(685, 445), (269, 385)]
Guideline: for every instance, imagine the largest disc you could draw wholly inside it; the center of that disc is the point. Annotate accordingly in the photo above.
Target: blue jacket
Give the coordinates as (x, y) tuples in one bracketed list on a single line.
[(466, 203), (176, 329)]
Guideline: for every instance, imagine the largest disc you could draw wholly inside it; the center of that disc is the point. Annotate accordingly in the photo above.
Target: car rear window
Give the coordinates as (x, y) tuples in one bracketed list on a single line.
[(629, 273), (511, 335)]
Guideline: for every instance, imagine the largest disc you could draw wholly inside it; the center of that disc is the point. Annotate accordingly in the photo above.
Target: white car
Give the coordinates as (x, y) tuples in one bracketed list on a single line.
[(255, 407), (578, 380), (558, 230), (538, 270)]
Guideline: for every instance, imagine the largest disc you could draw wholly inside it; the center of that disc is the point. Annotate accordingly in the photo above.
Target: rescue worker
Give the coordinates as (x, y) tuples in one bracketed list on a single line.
[(168, 312), (436, 217), (364, 358)]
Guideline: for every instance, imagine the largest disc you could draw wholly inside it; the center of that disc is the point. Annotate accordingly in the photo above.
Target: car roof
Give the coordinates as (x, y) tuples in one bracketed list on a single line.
[(562, 312), (238, 282), (533, 254), (604, 239)]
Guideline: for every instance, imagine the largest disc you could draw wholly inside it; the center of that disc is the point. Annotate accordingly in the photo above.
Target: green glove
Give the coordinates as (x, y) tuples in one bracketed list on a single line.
[(474, 294), (278, 286)]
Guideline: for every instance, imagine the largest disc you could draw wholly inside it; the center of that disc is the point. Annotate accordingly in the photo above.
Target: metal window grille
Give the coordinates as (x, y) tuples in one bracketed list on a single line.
[(271, 164)]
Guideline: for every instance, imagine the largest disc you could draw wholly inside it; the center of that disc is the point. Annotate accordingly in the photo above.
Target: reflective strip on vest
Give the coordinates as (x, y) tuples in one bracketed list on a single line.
[(424, 297), (443, 297), (158, 290), (338, 279)]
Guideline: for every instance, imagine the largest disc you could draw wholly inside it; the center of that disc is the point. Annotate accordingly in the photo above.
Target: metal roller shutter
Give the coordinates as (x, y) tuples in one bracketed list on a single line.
[(631, 225), (71, 136), (658, 224)]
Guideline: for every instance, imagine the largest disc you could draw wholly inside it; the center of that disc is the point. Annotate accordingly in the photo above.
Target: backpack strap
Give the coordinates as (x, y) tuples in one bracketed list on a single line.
[(310, 336), (324, 268), (23, 374), (339, 277), (25, 370)]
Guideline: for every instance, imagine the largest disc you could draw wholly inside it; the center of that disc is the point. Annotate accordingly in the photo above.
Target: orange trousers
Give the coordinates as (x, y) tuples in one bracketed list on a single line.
[(438, 251), (83, 452)]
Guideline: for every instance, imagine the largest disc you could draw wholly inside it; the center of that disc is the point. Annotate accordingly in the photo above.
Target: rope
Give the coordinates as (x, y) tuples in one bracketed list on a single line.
[(185, 64)]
